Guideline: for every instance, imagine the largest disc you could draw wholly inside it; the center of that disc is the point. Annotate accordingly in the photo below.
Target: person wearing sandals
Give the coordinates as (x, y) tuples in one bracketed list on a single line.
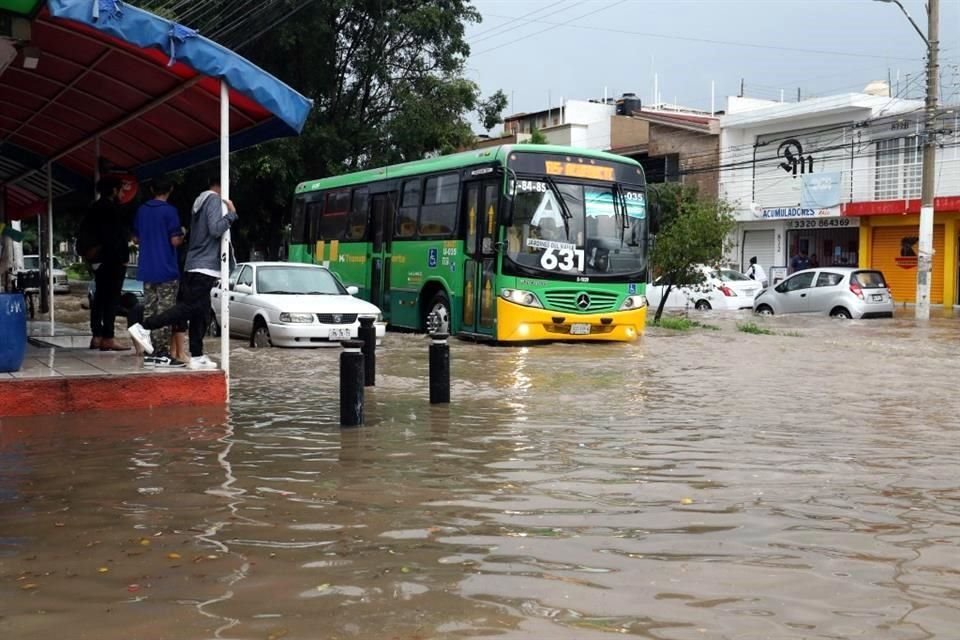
[(211, 217), (102, 242), (157, 230)]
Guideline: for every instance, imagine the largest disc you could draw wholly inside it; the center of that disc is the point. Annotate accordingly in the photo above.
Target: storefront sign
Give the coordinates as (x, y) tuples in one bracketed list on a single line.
[(781, 213), (825, 223)]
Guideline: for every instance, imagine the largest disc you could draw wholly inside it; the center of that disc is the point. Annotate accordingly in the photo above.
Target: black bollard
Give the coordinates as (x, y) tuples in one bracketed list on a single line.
[(351, 384), (439, 369), (368, 334)]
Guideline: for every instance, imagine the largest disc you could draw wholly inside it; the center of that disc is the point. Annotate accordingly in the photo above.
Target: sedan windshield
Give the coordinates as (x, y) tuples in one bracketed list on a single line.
[(298, 280), (587, 230)]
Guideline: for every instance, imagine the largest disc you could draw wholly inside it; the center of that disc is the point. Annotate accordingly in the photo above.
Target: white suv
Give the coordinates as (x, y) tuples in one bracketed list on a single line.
[(61, 283)]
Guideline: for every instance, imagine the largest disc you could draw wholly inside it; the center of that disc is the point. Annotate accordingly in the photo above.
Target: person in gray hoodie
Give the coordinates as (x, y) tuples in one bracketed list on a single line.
[(211, 217)]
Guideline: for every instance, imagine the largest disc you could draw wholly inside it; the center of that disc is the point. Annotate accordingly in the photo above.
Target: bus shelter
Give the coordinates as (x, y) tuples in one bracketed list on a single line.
[(91, 84)]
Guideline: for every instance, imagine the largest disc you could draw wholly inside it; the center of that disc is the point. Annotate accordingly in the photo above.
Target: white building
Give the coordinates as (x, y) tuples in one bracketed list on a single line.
[(575, 123), (839, 179)]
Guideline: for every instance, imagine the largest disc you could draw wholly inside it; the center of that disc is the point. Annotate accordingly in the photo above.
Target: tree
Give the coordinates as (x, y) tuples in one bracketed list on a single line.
[(387, 81), (689, 231), (537, 137)]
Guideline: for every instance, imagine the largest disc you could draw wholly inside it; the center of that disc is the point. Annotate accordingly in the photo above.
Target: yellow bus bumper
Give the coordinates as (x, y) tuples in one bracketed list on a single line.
[(516, 323)]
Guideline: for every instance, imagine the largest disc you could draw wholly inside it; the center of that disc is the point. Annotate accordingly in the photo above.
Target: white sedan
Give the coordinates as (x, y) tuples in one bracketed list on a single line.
[(285, 304), (724, 289)]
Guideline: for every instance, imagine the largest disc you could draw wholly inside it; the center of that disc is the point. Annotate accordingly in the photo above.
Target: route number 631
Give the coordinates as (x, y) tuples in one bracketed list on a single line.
[(562, 259)]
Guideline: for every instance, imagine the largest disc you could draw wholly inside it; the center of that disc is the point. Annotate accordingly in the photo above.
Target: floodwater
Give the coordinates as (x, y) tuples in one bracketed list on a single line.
[(700, 485)]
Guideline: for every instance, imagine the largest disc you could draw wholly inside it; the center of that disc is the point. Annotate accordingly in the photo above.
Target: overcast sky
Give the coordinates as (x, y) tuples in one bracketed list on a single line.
[(824, 47)]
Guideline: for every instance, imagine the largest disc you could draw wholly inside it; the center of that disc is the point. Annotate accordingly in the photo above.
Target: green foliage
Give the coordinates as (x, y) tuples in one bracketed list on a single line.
[(537, 137), (682, 323), (754, 328), (387, 81), (689, 231)]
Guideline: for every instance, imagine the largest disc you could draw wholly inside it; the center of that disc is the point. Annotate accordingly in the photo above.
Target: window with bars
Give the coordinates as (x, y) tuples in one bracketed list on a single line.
[(897, 168)]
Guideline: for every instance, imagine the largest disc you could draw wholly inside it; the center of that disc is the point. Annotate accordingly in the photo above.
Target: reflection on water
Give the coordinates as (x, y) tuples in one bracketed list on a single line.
[(704, 485)]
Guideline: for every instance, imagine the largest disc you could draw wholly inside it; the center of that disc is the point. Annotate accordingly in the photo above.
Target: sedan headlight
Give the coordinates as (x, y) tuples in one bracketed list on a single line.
[(633, 302), (518, 296), (296, 317), (376, 318)]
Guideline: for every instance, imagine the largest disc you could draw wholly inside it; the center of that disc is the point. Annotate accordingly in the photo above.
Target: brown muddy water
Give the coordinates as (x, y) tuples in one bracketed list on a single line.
[(701, 485)]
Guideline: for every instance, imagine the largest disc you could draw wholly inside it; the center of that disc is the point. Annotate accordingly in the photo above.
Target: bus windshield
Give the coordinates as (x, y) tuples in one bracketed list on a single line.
[(577, 229)]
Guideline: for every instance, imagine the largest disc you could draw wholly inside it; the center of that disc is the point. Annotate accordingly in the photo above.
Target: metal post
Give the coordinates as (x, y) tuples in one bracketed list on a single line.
[(351, 384), (225, 240), (439, 369), (925, 259), (368, 335), (50, 243)]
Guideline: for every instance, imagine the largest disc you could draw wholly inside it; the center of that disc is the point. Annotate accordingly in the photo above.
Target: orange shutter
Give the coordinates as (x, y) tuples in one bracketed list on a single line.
[(901, 271)]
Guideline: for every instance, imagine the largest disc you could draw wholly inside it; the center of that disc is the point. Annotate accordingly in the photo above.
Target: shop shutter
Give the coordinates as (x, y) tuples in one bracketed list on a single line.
[(901, 274), (760, 244)]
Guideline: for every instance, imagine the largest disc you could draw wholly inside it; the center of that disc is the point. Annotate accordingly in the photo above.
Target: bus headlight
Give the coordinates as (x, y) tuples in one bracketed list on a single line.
[(296, 317), (633, 302), (518, 296)]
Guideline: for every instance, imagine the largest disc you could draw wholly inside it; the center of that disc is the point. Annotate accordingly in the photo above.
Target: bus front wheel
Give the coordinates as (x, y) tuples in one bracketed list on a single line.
[(440, 305)]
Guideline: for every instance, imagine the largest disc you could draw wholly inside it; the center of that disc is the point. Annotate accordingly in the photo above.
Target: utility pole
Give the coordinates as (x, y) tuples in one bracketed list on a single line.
[(928, 185)]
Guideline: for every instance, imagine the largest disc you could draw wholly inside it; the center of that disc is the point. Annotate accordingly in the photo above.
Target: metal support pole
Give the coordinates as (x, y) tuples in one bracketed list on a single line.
[(439, 369), (225, 239), (368, 335), (351, 384), (50, 243), (928, 185)]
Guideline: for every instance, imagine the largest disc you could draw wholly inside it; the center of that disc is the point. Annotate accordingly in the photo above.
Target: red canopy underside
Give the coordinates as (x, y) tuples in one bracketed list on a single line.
[(89, 83)]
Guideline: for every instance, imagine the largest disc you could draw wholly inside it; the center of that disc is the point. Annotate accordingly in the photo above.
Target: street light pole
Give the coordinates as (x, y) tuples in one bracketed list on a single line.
[(928, 185)]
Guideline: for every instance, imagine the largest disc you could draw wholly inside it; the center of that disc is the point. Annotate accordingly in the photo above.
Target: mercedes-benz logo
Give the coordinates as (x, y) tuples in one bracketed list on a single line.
[(337, 318), (583, 301)]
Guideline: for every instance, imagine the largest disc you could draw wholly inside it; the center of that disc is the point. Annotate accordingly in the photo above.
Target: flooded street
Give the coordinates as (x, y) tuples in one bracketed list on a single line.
[(695, 485)]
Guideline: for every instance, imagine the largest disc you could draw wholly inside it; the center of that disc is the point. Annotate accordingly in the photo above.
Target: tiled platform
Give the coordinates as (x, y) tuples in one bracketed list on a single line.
[(56, 335), (56, 380)]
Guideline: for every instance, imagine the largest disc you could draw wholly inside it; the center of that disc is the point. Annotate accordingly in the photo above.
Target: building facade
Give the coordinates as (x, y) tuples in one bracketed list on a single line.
[(838, 178)]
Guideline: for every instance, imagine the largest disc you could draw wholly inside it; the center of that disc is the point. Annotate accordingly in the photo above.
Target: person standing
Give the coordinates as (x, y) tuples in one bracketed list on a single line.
[(156, 227), (211, 217), (799, 262), (103, 242), (756, 272)]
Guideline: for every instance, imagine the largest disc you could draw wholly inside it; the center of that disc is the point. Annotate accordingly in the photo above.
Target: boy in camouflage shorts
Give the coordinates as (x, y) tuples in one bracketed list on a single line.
[(158, 231)]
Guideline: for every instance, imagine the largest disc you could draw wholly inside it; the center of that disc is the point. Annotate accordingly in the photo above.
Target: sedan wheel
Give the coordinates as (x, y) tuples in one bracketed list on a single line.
[(214, 328), (261, 336)]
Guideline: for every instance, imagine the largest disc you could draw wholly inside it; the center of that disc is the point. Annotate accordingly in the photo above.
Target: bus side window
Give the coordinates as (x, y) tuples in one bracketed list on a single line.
[(298, 234), (314, 214), (333, 223), (406, 226), (438, 217), (357, 220)]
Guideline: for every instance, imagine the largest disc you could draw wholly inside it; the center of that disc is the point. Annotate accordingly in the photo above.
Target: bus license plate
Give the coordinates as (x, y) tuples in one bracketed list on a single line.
[(339, 334), (580, 329)]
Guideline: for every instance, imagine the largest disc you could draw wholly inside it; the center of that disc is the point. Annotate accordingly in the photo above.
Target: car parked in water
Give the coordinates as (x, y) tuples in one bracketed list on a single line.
[(293, 305), (840, 292), (723, 289), (131, 293), (61, 282)]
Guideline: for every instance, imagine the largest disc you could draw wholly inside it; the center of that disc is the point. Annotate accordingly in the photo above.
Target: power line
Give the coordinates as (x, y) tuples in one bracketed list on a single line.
[(712, 41)]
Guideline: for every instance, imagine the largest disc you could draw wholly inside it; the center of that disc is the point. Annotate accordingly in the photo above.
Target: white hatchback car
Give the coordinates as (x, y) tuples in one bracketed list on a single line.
[(724, 289), (293, 305)]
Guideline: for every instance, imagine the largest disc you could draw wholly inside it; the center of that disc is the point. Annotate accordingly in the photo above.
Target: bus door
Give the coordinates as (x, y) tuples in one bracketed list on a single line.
[(381, 240), (480, 267)]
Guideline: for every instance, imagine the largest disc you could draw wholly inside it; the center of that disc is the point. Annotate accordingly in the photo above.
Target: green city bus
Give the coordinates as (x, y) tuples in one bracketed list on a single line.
[(511, 243)]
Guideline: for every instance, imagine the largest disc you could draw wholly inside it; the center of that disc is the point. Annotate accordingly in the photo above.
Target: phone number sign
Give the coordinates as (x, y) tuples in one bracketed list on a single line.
[(825, 223)]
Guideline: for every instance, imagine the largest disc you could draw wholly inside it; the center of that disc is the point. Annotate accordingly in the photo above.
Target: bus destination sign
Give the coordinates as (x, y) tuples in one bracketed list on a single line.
[(576, 170)]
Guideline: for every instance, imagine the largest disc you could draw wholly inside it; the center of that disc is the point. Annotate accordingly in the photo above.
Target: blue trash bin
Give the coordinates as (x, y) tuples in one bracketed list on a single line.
[(13, 331)]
